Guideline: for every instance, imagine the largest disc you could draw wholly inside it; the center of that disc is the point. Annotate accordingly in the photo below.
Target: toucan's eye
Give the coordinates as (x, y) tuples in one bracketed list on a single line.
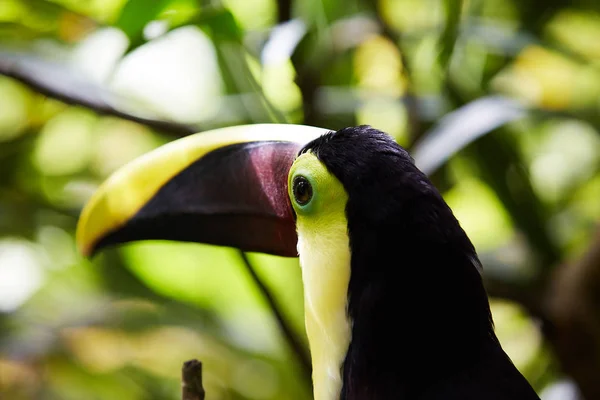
[(303, 192)]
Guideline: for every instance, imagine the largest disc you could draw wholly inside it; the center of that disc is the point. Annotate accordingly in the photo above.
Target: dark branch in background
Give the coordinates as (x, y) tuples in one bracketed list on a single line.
[(502, 160), (297, 347), (572, 321), (453, 10), (57, 81), (567, 305), (284, 10), (307, 82), (523, 293), (191, 381)]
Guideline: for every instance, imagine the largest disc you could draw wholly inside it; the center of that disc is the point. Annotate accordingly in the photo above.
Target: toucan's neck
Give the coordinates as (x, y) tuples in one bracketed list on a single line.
[(325, 260), (419, 310)]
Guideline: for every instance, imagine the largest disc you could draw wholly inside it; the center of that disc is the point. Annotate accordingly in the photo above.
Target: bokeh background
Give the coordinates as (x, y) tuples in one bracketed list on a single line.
[(498, 100)]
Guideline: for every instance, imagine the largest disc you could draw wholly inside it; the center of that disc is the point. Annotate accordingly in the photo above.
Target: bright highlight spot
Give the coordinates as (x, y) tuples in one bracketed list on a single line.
[(177, 74), (14, 102), (480, 214), (20, 273), (65, 143)]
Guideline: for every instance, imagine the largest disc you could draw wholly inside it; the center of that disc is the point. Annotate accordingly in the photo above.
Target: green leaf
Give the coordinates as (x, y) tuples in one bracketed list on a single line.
[(221, 23), (136, 14), (501, 166), (450, 33)]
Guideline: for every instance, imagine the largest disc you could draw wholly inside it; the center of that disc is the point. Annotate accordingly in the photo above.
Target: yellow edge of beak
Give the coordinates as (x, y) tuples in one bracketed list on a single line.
[(126, 191)]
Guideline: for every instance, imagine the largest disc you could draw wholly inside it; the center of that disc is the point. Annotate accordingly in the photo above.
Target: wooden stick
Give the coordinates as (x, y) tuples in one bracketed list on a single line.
[(191, 381)]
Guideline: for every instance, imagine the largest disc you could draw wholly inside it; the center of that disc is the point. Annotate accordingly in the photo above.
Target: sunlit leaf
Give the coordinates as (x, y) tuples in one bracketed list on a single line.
[(577, 30), (564, 157), (15, 102), (518, 334), (412, 15), (71, 381), (11, 31), (213, 278), (283, 278), (549, 79), (461, 127), (65, 144), (378, 66), (176, 75), (480, 214), (253, 14)]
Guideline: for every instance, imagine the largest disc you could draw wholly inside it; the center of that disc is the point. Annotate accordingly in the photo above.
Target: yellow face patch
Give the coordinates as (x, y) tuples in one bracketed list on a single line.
[(319, 200)]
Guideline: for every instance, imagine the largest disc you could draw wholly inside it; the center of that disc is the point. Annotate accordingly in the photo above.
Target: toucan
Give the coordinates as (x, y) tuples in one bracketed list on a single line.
[(395, 304)]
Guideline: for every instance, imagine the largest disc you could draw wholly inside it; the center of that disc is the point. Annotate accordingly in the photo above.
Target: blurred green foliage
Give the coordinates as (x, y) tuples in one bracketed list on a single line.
[(119, 326)]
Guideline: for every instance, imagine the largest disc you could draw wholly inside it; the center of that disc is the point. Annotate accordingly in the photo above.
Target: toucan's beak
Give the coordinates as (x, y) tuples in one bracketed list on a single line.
[(224, 187)]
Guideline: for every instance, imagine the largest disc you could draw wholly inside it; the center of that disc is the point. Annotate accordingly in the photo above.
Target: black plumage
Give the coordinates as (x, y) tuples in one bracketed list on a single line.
[(421, 322)]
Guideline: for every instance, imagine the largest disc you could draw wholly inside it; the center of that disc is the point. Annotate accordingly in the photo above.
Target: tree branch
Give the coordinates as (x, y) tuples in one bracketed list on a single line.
[(292, 339), (284, 10), (191, 381), (526, 294), (572, 325), (59, 82)]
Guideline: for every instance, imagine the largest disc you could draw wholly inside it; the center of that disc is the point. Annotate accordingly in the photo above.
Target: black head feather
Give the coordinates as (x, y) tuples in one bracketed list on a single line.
[(416, 298)]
